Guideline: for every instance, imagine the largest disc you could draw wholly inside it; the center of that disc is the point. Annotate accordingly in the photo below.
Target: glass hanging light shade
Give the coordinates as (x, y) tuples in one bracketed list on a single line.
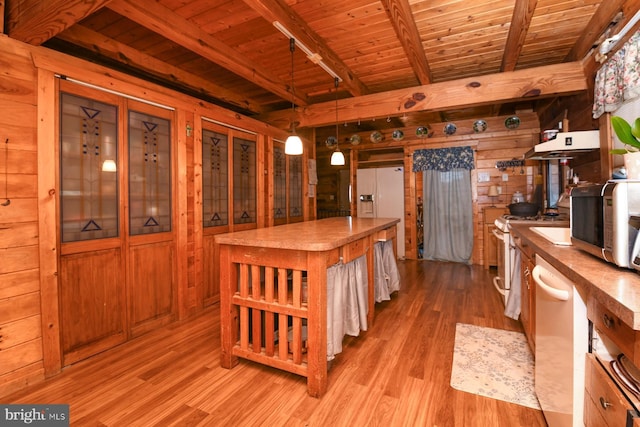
[(337, 157), (293, 145)]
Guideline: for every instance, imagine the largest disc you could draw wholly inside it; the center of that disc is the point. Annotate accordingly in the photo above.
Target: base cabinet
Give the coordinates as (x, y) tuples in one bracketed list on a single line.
[(607, 401), (490, 240), (528, 293), (604, 403)]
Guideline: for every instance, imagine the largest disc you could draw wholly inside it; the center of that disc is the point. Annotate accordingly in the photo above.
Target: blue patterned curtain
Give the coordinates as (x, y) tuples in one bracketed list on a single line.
[(443, 159)]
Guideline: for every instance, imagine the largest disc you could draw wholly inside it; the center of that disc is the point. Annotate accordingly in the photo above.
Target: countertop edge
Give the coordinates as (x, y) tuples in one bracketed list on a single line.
[(265, 238), (618, 289)]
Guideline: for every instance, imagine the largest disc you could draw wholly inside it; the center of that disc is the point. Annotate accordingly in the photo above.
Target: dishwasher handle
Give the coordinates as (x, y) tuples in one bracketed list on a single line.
[(549, 289)]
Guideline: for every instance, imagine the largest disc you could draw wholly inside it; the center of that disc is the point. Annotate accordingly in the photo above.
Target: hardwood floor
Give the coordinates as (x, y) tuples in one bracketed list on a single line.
[(395, 374)]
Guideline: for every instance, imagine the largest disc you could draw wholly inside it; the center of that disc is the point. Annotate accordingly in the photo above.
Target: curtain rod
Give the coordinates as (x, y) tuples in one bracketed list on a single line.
[(103, 89)]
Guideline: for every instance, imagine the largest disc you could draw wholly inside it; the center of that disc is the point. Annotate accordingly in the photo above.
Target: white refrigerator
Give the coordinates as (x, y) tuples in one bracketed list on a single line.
[(380, 194)]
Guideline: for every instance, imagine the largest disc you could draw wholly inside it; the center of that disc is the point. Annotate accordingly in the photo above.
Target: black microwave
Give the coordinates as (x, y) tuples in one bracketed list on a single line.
[(600, 215)]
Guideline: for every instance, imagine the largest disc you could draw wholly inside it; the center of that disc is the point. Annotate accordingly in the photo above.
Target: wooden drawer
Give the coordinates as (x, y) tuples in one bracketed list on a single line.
[(603, 399), (622, 335), (386, 234), (354, 250)]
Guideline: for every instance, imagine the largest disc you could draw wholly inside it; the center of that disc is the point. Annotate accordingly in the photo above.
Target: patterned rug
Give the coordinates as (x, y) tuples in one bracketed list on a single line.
[(493, 363)]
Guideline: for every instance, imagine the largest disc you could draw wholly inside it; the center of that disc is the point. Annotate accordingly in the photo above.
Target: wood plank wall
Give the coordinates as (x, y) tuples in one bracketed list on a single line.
[(30, 347), (21, 342), (497, 143)]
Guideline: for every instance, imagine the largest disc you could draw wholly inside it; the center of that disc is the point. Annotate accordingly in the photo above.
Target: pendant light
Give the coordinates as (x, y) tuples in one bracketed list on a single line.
[(293, 144), (337, 158)]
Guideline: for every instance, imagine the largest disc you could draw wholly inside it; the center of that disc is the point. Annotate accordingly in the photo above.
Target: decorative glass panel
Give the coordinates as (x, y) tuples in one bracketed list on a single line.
[(279, 183), (88, 177), (244, 181), (295, 186), (149, 174), (215, 178)]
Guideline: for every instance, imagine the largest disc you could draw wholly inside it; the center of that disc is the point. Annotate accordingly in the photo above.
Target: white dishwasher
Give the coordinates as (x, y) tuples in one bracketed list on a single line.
[(562, 336)]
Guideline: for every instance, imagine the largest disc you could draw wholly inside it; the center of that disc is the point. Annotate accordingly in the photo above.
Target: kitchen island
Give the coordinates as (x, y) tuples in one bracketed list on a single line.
[(273, 290)]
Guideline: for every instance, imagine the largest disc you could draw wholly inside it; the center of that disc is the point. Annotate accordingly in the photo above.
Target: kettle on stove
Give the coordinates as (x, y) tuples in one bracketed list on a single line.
[(517, 197)]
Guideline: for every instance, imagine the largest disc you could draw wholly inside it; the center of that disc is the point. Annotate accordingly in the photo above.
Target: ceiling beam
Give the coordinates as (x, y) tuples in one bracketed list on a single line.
[(276, 10), (597, 25), (107, 47), (165, 22), (36, 21), (511, 86), (520, 21), (401, 17)]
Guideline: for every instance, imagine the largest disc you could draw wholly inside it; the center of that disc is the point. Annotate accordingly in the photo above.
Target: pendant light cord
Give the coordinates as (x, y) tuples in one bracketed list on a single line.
[(292, 48), (337, 139)]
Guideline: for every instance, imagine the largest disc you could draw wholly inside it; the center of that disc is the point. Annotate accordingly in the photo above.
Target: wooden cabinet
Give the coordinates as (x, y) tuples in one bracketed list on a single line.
[(607, 402), (490, 241), (528, 293), (604, 403)]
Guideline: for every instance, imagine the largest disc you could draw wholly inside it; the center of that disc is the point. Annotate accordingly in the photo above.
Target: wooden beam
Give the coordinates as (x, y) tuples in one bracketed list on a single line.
[(512, 86), (399, 12), (522, 14), (276, 10), (596, 27), (36, 21), (105, 46), (165, 22)]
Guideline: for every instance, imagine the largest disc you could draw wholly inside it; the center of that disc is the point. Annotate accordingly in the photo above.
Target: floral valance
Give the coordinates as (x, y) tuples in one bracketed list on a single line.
[(618, 80), (443, 159)]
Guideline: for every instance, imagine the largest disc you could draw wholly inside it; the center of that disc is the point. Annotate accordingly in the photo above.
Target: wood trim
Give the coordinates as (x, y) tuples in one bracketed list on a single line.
[(180, 208), (47, 110)]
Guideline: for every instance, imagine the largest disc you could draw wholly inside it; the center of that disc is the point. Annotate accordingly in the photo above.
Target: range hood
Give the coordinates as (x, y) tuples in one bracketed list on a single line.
[(566, 145)]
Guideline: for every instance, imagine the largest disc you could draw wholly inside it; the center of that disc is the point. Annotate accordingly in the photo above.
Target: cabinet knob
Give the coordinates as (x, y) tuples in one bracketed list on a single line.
[(607, 320), (604, 403)]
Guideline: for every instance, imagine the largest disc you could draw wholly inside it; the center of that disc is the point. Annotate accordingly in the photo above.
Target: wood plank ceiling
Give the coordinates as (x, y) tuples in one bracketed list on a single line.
[(407, 61)]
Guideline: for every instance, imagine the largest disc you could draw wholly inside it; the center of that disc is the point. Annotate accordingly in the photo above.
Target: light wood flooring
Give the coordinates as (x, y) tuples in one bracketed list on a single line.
[(395, 374)]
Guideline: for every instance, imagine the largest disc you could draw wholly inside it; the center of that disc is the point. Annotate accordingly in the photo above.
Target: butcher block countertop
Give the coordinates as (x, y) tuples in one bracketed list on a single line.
[(320, 235), (618, 289)]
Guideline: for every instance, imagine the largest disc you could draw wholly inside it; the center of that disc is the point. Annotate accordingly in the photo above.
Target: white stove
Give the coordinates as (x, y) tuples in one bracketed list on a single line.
[(508, 265)]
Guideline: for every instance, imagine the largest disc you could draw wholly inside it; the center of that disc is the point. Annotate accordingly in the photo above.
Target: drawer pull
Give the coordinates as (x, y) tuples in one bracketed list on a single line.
[(607, 320), (604, 403)]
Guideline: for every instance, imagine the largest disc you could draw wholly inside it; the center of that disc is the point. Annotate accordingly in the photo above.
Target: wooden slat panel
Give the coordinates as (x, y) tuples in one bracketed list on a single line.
[(18, 258), (19, 283), (20, 331), (20, 355), (18, 126), (19, 307), (19, 234)]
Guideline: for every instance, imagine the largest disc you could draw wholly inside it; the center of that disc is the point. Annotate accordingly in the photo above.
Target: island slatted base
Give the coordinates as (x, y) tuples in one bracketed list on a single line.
[(266, 305)]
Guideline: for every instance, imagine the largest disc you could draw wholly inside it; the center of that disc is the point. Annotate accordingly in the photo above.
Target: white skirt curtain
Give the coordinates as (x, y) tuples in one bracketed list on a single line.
[(448, 215), (347, 302)]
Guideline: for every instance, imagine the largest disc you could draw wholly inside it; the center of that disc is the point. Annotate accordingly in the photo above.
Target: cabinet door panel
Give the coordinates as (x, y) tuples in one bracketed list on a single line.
[(92, 298), (210, 279), (152, 291)]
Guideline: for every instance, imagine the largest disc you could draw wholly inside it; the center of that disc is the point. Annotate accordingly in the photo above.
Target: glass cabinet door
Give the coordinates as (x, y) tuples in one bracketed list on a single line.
[(244, 181), (149, 174), (88, 178), (215, 178), (279, 184)]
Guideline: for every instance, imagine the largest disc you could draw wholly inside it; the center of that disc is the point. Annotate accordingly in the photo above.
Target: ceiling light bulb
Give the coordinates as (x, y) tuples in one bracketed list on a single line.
[(293, 145), (337, 158)]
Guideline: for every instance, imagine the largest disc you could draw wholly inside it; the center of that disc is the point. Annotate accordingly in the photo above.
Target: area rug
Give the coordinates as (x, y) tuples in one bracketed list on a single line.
[(493, 363)]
